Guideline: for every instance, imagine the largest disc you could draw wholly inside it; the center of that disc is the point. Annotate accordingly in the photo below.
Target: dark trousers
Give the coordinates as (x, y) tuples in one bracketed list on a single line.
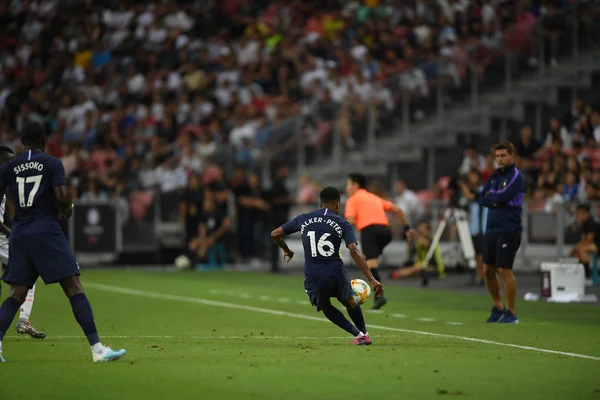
[(251, 237)]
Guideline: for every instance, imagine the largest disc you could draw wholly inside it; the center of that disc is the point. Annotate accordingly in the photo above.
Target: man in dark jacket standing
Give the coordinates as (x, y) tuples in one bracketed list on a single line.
[(503, 194)]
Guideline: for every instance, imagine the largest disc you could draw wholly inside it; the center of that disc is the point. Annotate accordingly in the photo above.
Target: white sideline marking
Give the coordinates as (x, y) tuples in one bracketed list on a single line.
[(265, 298), (207, 337), (454, 323), (161, 296), (245, 295), (399, 315), (283, 300), (425, 319), (374, 311)]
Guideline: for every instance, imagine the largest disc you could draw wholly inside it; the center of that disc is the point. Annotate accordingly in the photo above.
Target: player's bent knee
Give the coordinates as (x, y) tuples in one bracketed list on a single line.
[(489, 270), (71, 285), (19, 293), (505, 272), (324, 306), (350, 303)]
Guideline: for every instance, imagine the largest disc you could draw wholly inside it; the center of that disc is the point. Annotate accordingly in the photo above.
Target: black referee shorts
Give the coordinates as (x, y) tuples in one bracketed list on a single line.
[(500, 249), (373, 240)]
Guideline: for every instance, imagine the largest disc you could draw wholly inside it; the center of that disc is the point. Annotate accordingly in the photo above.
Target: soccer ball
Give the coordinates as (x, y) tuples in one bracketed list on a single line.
[(183, 262), (361, 291)]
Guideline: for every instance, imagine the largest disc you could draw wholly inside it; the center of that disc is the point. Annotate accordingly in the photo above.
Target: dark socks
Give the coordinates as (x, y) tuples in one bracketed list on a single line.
[(335, 316), (375, 272), (82, 310), (8, 310), (357, 317)]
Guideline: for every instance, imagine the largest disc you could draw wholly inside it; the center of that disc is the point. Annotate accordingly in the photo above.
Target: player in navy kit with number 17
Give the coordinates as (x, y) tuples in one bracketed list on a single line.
[(37, 247), (322, 233)]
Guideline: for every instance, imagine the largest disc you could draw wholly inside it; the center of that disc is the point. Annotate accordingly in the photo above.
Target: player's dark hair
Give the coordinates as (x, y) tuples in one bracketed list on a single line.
[(33, 135), (584, 207), (427, 225), (329, 195), (508, 146), (6, 153), (6, 149), (360, 179)]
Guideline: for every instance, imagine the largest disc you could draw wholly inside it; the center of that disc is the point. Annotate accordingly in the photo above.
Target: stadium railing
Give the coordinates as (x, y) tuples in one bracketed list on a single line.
[(452, 83), (549, 231)]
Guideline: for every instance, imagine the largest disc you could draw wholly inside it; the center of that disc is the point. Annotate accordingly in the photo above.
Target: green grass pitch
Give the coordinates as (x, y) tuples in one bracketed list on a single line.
[(232, 335)]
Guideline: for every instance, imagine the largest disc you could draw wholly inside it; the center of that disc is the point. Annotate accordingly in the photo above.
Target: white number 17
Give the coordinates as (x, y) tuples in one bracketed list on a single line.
[(37, 181)]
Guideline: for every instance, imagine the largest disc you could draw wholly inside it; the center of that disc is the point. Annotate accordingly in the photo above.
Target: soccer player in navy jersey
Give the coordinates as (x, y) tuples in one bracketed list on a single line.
[(325, 277), (36, 184), (23, 326)]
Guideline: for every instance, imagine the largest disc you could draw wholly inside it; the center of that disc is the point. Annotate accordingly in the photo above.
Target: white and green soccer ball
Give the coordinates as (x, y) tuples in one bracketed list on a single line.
[(183, 262), (361, 291)]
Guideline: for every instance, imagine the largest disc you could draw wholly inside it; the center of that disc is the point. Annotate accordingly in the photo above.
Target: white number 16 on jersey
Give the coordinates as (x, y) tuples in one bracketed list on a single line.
[(321, 245), (36, 180)]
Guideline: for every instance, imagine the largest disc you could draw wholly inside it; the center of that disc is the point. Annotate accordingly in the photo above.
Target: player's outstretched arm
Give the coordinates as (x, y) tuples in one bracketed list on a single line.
[(361, 262), (278, 235)]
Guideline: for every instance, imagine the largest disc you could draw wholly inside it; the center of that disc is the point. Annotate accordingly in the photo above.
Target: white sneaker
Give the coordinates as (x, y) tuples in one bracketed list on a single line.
[(1, 359), (107, 354)]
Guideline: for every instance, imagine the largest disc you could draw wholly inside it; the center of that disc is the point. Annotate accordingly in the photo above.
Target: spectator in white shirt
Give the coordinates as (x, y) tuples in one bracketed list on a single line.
[(75, 73), (136, 84), (408, 201), (596, 126), (242, 131), (362, 88), (249, 89), (338, 89), (178, 19), (247, 51), (358, 51), (170, 176), (190, 160), (557, 131), (552, 199), (94, 193), (471, 160)]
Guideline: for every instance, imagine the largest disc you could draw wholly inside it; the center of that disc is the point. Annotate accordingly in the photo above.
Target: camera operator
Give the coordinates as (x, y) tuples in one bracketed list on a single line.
[(470, 188)]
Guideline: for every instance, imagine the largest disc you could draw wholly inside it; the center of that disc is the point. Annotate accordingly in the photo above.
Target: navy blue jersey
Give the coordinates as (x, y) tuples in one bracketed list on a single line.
[(322, 233), (29, 180)]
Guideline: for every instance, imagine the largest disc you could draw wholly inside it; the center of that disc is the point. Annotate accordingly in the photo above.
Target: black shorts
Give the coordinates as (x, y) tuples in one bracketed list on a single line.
[(500, 249), (40, 254), (478, 241), (373, 240), (327, 284)]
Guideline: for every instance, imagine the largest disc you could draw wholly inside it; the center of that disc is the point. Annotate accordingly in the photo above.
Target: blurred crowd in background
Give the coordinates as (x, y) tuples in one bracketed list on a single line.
[(140, 97)]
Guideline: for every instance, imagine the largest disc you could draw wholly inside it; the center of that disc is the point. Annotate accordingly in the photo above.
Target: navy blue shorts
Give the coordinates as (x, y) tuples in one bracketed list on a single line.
[(41, 254), (500, 249), (327, 284)]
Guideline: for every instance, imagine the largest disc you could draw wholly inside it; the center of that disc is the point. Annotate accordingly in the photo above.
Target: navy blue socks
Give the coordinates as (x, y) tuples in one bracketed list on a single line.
[(335, 316), (357, 317), (82, 310), (8, 310)]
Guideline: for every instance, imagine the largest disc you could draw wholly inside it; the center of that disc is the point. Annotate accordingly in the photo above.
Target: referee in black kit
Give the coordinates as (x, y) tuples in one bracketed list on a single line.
[(503, 194)]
